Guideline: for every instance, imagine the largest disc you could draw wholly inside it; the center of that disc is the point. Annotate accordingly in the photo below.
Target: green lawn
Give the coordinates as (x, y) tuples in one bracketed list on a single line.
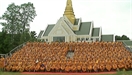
[(121, 73), (17, 73)]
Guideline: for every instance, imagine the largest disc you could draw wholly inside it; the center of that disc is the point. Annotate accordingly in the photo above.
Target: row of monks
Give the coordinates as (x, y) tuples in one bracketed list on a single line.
[(88, 57)]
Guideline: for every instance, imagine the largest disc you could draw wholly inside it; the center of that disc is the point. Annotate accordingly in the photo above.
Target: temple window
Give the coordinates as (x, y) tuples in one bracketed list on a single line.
[(82, 39), (87, 39), (78, 39)]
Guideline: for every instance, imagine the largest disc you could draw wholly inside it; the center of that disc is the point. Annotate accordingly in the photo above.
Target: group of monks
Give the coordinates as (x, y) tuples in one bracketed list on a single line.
[(88, 57)]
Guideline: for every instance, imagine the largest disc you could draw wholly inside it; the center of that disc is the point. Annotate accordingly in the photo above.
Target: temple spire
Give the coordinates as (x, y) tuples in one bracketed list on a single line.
[(69, 12)]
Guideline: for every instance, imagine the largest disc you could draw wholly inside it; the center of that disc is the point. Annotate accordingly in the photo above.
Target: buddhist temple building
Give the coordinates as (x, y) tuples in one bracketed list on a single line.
[(71, 29)]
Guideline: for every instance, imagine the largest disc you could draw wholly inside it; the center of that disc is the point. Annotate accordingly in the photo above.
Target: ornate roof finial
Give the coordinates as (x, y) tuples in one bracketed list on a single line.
[(69, 12)]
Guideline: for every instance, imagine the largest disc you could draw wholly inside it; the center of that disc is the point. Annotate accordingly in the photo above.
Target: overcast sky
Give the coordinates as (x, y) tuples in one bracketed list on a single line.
[(114, 16)]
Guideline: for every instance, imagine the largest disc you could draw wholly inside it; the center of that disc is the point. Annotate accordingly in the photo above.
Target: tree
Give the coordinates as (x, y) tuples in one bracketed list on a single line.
[(5, 45), (11, 17), (33, 36), (18, 18), (25, 37), (123, 37), (27, 14), (117, 37), (17, 24)]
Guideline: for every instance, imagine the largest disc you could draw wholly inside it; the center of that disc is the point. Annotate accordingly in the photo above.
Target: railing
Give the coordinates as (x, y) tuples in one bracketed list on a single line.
[(127, 47), (16, 49), (12, 51), (3, 55)]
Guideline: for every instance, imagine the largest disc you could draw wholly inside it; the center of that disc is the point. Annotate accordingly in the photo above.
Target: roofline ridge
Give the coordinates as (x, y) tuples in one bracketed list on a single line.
[(51, 24), (86, 22), (96, 27), (107, 34)]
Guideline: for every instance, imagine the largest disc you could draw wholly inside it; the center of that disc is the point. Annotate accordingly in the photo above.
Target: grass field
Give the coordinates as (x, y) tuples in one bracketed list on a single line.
[(118, 73)]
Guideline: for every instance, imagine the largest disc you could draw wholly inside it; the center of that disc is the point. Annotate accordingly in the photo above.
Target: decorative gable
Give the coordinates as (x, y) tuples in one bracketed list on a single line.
[(60, 28), (59, 31), (74, 27)]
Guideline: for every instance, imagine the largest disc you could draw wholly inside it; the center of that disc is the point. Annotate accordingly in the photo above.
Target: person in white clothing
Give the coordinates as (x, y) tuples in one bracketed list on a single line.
[(37, 61)]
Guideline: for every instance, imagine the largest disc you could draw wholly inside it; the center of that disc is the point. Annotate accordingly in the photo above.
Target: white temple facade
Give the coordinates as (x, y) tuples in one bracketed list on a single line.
[(69, 29)]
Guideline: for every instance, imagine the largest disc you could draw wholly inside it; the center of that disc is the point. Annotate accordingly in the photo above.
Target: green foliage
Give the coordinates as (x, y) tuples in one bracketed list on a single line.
[(16, 26), (33, 36), (123, 37), (11, 17), (24, 37), (27, 14), (4, 42), (18, 18)]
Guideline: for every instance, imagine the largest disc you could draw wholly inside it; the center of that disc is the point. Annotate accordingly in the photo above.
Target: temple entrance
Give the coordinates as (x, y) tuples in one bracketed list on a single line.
[(59, 39)]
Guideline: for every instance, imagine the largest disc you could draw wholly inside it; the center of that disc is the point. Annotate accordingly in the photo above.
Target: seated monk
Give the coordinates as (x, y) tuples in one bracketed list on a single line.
[(42, 67)]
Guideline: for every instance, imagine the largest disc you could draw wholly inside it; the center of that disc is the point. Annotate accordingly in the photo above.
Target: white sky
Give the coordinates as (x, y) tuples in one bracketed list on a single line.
[(114, 16)]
